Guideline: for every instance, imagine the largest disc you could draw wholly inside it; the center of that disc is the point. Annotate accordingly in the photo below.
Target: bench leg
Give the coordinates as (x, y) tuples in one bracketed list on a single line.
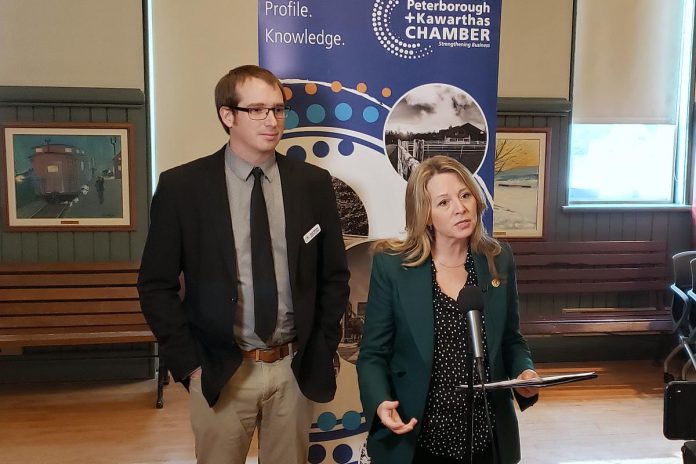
[(162, 380)]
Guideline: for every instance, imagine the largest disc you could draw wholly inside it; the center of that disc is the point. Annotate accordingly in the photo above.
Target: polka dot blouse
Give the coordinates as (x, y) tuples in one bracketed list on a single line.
[(445, 431)]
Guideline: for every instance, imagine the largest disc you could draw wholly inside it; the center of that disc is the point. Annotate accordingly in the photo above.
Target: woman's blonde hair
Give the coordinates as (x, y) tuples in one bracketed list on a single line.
[(417, 245)]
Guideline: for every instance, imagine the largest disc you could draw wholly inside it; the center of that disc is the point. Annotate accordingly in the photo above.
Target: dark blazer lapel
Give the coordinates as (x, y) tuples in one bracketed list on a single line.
[(219, 209), (292, 203), (416, 294), (492, 310)]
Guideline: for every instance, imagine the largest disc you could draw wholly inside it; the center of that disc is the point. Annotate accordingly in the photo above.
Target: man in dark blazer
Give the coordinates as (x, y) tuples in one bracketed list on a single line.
[(240, 377)]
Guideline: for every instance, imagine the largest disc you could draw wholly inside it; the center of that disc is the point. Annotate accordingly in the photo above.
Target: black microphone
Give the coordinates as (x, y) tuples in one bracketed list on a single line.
[(470, 302)]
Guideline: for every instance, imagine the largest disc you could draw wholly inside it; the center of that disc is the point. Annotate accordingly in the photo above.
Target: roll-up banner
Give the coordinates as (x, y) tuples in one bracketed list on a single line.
[(376, 87)]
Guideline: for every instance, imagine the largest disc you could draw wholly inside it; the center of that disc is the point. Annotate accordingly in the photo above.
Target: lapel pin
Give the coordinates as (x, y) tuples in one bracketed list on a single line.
[(495, 283)]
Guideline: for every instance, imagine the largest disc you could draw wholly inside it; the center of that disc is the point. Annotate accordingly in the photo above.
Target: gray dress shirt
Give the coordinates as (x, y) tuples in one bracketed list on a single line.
[(239, 185)]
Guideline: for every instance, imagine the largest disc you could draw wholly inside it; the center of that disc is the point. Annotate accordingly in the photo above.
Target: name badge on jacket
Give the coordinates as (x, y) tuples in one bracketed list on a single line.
[(313, 232)]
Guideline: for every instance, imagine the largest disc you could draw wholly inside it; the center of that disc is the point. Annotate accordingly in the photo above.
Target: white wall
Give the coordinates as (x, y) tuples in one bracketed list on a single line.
[(195, 43), (71, 43), (535, 41), (98, 43)]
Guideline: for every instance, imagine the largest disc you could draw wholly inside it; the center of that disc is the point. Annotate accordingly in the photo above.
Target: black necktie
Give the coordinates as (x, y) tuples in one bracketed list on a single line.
[(262, 269)]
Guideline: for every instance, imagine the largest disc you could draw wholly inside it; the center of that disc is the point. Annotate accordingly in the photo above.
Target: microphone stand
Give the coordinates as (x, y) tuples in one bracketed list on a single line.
[(471, 302), (482, 378), (476, 366), (470, 399)]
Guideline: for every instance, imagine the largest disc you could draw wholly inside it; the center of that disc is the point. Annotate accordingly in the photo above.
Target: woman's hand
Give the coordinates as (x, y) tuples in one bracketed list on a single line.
[(527, 392), (386, 412)]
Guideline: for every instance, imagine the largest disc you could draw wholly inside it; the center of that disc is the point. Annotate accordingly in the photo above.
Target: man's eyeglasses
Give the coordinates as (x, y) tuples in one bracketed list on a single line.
[(261, 113)]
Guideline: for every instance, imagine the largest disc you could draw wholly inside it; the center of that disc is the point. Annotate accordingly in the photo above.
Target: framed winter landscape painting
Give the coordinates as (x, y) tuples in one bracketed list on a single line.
[(519, 195)]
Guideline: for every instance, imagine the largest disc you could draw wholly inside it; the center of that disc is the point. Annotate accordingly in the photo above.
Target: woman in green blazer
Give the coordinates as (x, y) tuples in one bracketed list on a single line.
[(415, 349)]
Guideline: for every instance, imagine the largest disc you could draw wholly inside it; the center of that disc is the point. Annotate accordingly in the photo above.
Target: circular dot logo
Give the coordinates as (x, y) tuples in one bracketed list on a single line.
[(326, 421), (297, 152), (351, 420), (381, 18), (292, 120), (346, 147), (342, 454), (370, 114), (316, 113), (320, 149), (343, 111), (317, 454)]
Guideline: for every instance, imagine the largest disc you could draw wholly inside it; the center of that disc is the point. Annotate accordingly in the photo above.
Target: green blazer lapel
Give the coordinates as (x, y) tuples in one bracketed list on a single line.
[(494, 300), (416, 294)]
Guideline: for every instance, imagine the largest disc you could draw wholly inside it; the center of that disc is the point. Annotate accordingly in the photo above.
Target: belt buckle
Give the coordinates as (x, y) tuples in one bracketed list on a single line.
[(273, 354)]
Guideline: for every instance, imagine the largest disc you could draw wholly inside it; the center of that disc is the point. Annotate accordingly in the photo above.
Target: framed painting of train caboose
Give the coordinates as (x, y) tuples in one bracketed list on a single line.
[(75, 176)]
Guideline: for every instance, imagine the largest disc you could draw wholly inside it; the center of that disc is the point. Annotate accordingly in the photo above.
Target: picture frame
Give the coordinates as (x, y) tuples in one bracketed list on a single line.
[(68, 176), (520, 182)]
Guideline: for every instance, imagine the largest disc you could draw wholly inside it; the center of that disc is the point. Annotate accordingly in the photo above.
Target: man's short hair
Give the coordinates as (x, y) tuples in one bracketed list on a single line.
[(226, 88)]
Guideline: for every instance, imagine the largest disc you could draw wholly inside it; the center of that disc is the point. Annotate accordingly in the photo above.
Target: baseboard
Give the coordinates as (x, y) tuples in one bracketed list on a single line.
[(68, 364)]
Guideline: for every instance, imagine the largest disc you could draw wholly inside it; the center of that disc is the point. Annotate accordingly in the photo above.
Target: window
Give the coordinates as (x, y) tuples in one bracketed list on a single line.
[(632, 88)]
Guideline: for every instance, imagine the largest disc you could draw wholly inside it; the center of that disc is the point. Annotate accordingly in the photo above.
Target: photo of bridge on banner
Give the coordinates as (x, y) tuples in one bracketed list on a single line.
[(410, 153)]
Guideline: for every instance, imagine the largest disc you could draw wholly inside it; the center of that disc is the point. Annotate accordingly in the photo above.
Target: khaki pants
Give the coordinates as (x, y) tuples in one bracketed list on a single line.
[(263, 395)]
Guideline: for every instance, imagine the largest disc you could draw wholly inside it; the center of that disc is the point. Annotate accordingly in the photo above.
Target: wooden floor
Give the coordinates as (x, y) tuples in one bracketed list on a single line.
[(614, 419)]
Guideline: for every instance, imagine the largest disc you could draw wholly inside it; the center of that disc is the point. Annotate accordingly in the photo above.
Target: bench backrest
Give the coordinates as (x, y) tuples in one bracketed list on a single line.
[(67, 303), (582, 267)]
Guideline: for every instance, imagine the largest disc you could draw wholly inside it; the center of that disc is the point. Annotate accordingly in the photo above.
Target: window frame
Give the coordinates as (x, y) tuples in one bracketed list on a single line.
[(683, 162)]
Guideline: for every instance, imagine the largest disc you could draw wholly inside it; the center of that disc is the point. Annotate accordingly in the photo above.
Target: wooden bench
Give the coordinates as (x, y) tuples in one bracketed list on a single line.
[(60, 304), (599, 267)]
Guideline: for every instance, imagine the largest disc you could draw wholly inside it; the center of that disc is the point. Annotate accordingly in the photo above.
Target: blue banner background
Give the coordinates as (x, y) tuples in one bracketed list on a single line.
[(351, 70), (360, 61)]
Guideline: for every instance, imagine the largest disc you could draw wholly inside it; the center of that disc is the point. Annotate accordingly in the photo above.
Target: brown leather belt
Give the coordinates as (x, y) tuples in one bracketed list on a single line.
[(269, 355)]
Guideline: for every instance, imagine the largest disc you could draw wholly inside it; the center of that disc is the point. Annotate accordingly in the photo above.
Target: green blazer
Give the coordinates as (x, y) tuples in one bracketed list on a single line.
[(396, 352)]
